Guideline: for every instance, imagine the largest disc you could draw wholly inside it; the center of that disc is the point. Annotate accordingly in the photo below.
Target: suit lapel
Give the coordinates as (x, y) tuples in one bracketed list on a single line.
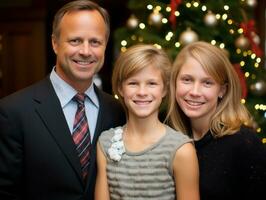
[(49, 109), (98, 130), (100, 121)]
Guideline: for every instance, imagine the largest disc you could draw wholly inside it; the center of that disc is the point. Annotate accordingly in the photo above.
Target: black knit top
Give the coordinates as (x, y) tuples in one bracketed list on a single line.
[(232, 167)]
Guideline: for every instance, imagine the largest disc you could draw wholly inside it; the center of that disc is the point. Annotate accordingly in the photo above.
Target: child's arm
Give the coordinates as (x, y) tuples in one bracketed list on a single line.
[(186, 173), (101, 188)]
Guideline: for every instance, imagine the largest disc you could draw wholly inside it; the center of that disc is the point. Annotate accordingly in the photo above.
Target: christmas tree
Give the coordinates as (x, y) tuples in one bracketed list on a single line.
[(229, 24)]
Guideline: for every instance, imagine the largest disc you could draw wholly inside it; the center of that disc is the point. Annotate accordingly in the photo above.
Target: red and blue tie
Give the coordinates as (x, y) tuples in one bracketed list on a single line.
[(81, 134)]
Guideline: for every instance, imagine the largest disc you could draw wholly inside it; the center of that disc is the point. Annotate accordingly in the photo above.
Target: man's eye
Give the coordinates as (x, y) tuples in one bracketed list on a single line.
[(74, 42), (95, 43)]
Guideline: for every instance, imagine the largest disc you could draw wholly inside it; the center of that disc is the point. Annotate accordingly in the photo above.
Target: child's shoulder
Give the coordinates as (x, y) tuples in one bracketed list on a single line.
[(177, 136), (108, 134)]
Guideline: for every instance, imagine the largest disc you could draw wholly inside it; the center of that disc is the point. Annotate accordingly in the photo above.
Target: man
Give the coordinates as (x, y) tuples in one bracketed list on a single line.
[(39, 157)]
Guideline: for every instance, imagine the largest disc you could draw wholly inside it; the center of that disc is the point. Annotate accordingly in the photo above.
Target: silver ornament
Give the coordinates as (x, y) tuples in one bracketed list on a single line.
[(258, 88), (242, 42), (132, 22), (255, 38), (210, 19), (155, 19), (188, 37), (251, 3)]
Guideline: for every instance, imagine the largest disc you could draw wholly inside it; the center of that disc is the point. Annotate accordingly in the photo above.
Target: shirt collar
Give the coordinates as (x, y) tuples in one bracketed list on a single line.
[(66, 92)]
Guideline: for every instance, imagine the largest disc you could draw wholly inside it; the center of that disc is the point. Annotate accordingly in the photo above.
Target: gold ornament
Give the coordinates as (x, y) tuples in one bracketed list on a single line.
[(242, 42), (210, 19), (132, 22), (155, 18), (251, 3), (188, 37), (258, 88)]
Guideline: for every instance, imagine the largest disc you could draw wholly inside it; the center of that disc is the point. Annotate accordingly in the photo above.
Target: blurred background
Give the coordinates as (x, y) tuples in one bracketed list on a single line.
[(237, 26)]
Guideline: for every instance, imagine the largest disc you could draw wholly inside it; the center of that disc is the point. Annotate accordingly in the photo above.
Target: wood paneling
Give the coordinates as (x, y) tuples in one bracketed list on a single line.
[(22, 57), (22, 47)]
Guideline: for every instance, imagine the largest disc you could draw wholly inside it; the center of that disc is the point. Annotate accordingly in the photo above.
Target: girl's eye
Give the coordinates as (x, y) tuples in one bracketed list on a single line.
[(153, 83), (208, 83), (186, 80), (132, 83)]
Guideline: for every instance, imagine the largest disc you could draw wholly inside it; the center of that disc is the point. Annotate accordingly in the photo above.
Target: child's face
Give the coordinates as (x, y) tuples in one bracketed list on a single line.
[(143, 92)]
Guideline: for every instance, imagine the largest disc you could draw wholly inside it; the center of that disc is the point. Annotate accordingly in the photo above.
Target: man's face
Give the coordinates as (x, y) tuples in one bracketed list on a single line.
[(80, 47)]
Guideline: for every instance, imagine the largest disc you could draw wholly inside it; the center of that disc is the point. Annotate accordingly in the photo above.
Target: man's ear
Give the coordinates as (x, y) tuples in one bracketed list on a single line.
[(54, 43)]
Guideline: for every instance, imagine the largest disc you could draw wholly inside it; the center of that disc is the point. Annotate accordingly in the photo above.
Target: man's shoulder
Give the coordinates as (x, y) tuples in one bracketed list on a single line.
[(25, 93)]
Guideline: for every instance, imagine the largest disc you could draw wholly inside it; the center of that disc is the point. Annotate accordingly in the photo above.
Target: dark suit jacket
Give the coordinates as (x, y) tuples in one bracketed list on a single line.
[(37, 154)]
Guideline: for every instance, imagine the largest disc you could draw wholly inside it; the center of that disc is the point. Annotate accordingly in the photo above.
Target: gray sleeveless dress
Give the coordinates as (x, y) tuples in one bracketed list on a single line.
[(141, 175)]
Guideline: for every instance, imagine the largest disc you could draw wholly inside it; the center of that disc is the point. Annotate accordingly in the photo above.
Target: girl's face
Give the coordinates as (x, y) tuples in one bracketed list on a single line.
[(143, 92), (197, 92)]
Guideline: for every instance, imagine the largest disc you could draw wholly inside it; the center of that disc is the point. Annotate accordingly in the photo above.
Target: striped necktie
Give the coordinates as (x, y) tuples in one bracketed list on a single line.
[(81, 134)]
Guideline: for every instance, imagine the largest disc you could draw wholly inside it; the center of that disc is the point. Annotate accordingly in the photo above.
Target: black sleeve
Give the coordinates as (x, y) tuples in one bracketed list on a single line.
[(252, 164)]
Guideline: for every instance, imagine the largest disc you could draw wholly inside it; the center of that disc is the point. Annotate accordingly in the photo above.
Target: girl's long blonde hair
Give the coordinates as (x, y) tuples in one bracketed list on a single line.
[(230, 113)]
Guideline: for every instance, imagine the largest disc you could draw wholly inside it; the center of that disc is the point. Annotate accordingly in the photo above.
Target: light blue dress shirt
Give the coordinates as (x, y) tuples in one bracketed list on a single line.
[(65, 93)]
